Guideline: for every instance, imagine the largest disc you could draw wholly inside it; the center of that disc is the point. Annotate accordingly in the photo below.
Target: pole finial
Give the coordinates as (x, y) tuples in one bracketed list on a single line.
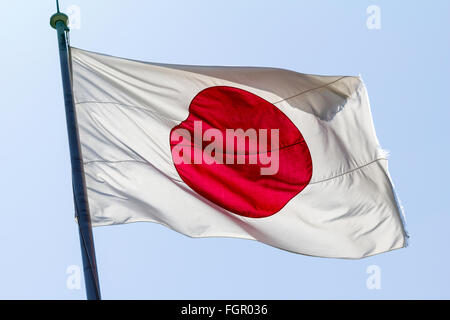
[(59, 16)]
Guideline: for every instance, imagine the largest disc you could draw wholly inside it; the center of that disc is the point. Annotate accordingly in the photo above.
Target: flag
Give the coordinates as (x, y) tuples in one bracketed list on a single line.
[(288, 159)]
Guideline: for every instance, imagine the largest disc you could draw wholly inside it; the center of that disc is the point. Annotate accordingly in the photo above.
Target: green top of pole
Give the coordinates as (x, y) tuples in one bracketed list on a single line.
[(58, 16)]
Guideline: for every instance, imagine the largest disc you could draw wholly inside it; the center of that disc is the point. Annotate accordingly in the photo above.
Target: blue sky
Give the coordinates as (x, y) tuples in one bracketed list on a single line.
[(405, 66)]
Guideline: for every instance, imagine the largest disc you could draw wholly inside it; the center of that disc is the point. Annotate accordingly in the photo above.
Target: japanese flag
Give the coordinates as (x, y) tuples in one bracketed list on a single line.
[(285, 158)]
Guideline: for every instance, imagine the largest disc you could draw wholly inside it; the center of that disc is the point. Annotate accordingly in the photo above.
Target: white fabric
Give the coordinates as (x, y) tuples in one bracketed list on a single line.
[(126, 109)]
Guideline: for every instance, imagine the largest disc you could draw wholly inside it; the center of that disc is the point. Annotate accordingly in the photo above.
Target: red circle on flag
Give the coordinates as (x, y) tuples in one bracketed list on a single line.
[(240, 186)]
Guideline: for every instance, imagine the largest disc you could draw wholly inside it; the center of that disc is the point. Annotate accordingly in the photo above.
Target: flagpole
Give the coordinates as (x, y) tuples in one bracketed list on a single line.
[(59, 22)]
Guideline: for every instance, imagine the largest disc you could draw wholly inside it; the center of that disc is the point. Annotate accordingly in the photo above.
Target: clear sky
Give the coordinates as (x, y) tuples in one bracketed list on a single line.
[(405, 65)]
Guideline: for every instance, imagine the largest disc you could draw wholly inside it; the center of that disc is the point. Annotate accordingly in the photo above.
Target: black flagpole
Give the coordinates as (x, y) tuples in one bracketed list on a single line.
[(59, 22)]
